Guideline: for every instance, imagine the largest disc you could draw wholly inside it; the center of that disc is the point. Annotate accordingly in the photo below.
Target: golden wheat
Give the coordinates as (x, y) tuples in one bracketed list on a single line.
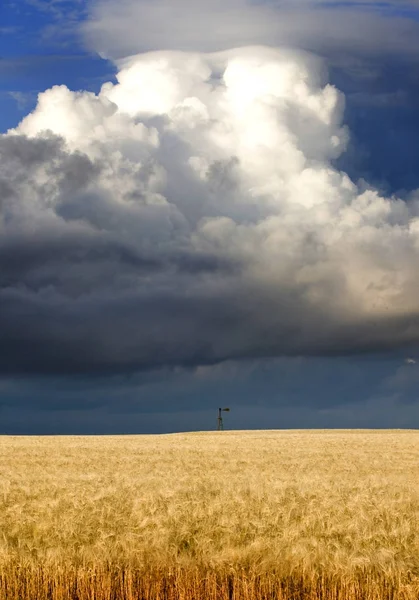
[(237, 515)]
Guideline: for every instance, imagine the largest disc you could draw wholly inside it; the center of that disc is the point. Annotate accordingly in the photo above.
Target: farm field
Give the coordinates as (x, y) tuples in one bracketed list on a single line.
[(219, 516)]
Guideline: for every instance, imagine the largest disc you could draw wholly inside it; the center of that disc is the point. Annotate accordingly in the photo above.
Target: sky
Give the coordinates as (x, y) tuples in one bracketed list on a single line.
[(208, 204)]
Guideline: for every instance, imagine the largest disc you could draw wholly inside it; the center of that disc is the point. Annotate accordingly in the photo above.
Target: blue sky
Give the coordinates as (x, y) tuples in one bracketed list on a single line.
[(44, 43), (40, 47)]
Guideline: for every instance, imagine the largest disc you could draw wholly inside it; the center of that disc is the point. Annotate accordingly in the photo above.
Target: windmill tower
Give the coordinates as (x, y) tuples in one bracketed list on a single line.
[(220, 425)]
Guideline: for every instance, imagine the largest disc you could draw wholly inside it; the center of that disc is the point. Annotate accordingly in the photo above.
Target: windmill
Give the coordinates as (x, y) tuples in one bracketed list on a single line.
[(220, 425)]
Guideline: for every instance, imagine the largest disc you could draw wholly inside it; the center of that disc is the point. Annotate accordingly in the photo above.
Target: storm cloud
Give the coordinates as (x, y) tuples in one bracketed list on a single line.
[(190, 214)]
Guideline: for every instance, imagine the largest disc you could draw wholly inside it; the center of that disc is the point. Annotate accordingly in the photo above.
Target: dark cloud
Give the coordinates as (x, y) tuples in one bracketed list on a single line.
[(280, 393)]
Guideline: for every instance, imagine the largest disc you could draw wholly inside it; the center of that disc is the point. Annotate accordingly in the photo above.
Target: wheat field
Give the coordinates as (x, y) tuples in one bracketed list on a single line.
[(224, 515)]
